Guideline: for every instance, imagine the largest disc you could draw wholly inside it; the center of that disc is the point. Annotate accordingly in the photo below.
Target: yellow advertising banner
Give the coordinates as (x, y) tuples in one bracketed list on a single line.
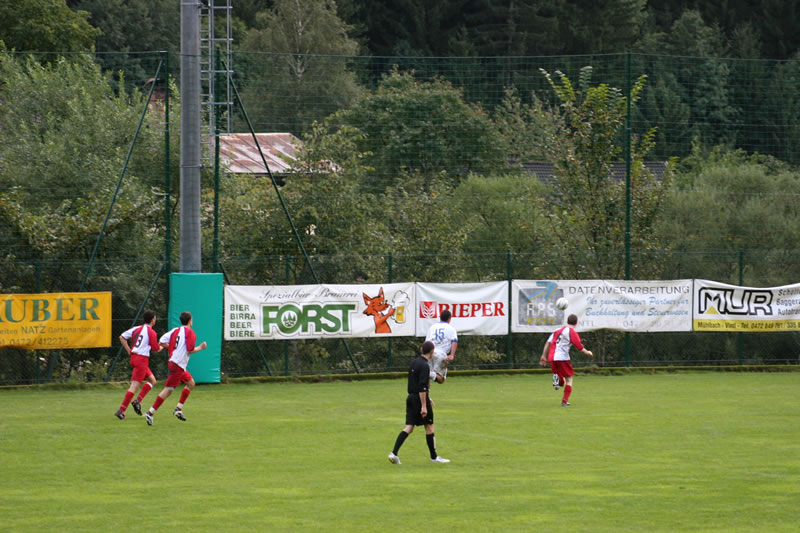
[(55, 320)]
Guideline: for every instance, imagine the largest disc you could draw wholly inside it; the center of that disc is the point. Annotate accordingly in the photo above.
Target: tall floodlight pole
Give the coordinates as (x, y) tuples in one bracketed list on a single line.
[(191, 151)]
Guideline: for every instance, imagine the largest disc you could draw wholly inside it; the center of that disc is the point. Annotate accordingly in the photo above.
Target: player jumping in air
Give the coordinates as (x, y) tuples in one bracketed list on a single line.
[(445, 340)]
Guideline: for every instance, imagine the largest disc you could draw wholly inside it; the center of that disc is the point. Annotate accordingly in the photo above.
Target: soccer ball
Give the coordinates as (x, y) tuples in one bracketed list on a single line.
[(562, 303)]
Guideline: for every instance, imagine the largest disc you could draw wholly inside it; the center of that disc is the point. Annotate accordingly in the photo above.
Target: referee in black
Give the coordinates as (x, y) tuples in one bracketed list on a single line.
[(419, 409)]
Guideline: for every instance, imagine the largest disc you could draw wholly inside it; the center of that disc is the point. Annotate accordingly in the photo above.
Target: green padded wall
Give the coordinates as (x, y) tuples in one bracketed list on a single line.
[(201, 295)]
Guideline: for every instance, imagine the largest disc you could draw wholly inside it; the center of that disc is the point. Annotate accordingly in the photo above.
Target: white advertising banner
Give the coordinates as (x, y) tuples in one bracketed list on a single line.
[(318, 311), (636, 306), (477, 308), (723, 307)]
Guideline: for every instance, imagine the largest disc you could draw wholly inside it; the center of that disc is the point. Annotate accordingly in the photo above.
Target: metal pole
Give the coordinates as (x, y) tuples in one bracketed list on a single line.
[(508, 335), (215, 252), (389, 359), (167, 182), (628, 135), (739, 348), (191, 150), (286, 259)]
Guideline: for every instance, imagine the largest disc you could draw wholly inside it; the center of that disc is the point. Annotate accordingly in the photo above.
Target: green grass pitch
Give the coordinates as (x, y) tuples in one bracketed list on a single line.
[(664, 452)]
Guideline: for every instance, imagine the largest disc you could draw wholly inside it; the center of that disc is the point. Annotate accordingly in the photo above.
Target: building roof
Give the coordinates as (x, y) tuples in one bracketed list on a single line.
[(545, 171), (239, 154)]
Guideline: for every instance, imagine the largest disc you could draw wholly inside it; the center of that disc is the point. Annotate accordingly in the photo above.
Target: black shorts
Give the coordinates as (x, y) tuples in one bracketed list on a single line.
[(413, 406)]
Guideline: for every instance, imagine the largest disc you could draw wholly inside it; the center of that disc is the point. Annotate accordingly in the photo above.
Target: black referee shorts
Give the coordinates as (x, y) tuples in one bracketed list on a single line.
[(413, 406)]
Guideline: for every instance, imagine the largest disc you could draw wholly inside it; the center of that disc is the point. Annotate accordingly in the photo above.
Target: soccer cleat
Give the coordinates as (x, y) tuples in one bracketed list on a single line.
[(178, 412), (394, 459), (564, 404), (120, 414), (137, 406), (555, 381), (149, 417), (440, 460)]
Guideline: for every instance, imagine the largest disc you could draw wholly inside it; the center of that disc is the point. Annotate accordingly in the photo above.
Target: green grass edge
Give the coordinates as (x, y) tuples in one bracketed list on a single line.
[(327, 378)]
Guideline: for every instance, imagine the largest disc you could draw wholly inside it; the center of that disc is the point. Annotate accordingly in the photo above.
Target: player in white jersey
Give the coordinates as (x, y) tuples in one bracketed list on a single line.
[(445, 341), (180, 342)]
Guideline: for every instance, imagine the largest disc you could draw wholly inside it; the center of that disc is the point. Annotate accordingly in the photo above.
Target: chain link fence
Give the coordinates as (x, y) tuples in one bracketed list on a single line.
[(89, 194)]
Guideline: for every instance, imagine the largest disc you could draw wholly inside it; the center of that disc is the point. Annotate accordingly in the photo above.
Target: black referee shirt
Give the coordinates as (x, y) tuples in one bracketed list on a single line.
[(418, 376)]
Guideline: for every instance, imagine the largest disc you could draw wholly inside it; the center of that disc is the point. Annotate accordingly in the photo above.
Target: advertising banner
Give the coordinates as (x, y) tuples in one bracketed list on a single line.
[(318, 311), (55, 320), (477, 308), (635, 306), (722, 307)]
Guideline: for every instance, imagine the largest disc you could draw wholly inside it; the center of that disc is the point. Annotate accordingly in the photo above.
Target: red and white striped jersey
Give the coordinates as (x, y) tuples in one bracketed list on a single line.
[(181, 342), (142, 338), (560, 341)]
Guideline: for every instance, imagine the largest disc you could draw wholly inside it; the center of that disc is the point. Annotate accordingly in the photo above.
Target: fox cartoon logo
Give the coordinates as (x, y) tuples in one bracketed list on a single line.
[(375, 307)]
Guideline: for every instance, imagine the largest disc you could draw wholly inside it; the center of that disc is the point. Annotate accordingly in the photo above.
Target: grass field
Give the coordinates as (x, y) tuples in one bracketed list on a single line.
[(665, 452)]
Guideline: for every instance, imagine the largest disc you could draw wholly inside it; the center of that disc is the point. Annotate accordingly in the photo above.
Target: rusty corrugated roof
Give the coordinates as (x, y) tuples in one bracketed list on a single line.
[(239, 154)]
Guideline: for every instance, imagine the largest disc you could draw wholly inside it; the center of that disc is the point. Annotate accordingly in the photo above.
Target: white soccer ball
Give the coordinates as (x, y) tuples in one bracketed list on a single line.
[(562, 303)]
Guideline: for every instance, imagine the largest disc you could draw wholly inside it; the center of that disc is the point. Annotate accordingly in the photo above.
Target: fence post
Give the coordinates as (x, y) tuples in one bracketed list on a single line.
[(217, 110), (739, 348), (628, 135), (286, 262), (508, 311), (167, 182), (389, 358)]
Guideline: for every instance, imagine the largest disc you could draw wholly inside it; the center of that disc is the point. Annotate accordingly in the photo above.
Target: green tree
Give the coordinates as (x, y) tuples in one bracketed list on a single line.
[(785, 139), (45, 26), (588, 201), (700, 83), (501, 213), (130, 27), (59, 172), (526, 130), (725, 202), (297, 54), (330, 216), (410, 27), (422, 127), (58, 175)]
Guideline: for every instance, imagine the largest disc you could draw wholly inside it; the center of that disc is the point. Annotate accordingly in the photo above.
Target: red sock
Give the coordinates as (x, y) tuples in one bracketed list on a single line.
[(126, 401), (567, 392), (157, 403), (184, 394), (145, 389), (561, 381)]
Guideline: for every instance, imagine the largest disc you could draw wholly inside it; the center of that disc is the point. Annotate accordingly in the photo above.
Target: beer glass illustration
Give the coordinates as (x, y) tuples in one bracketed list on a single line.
[(400, 302)]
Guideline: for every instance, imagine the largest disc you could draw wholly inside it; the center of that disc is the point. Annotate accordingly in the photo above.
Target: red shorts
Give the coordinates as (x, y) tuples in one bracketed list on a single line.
[(177, 375), (562, 368), (141, 367)]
